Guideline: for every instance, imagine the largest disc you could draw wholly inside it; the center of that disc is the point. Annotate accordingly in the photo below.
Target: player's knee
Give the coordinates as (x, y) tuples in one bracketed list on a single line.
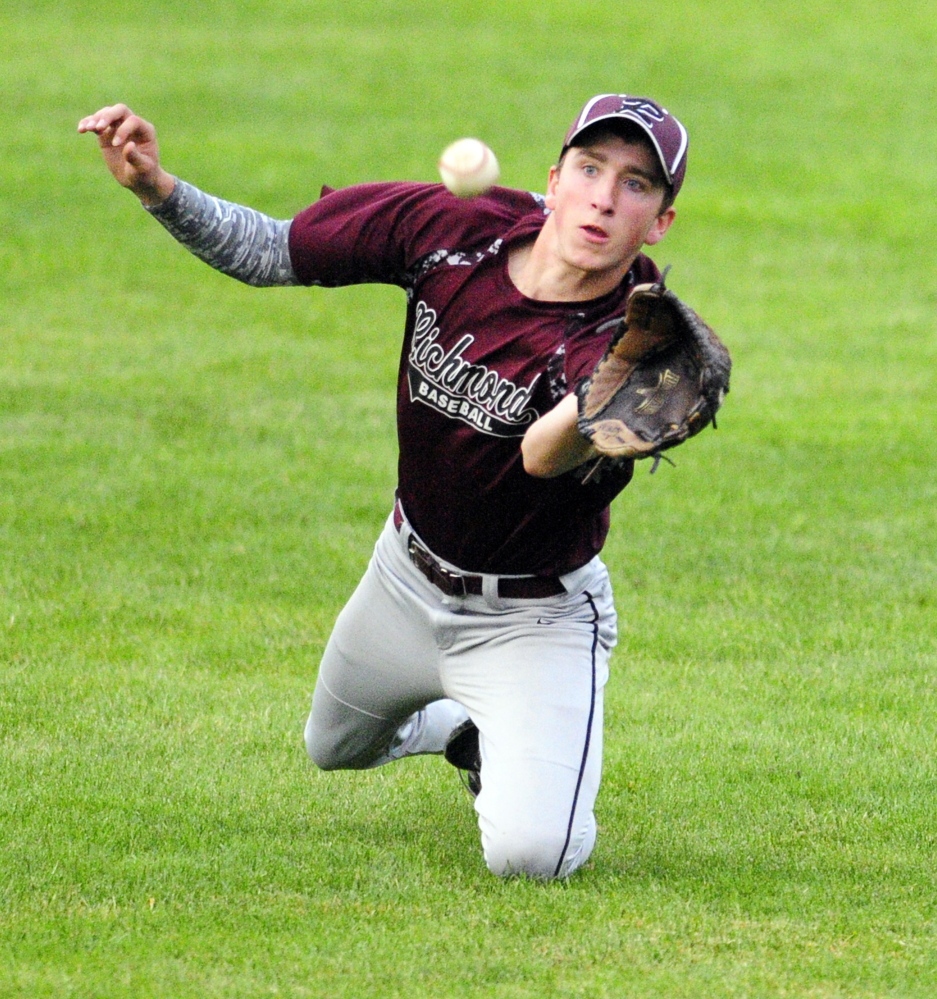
[(321, 753), (537, 852), (329, 751)]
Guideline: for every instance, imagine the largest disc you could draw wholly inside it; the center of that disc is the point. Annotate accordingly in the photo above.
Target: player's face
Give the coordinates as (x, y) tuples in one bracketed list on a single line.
[(606, 206)]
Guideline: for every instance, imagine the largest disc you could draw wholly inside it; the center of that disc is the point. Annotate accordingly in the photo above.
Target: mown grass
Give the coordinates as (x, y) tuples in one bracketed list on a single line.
[(192, 474)]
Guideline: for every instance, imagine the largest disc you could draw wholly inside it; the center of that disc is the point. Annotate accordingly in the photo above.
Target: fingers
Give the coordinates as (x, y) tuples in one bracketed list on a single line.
[(104, 119), (116, 125), (136, 159), (134, 128)]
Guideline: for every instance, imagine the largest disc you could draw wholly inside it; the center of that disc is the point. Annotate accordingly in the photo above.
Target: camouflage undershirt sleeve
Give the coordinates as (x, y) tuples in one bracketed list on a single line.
[(238, 241)]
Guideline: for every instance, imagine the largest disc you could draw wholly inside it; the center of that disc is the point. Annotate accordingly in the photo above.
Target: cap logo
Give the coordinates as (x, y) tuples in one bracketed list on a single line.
[(648, 112)]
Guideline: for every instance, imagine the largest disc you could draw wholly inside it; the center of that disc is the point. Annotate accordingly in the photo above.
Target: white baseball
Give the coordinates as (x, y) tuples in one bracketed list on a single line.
[(468, 168)]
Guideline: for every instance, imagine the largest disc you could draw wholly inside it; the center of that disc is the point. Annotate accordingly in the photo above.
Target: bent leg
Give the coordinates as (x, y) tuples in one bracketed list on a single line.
[(378, 695), (535, 810), (536, 695)]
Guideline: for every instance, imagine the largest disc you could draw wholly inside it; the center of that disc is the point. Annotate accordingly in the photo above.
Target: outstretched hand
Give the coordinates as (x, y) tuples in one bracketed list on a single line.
[(128, 145)]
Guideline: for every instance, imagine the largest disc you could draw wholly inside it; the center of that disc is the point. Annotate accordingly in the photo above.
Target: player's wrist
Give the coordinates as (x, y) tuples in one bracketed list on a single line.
[(155, 193)]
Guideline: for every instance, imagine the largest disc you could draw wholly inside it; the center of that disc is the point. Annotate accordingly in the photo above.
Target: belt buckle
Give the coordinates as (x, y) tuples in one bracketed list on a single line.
[(455, 581), (451, 583)]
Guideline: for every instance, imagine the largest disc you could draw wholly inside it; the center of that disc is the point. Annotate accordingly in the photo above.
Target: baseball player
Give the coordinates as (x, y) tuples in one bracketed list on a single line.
[(484, 623)]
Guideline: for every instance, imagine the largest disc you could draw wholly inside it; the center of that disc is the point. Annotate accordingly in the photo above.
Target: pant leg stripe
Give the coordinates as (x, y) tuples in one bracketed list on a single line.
[(585, 750)]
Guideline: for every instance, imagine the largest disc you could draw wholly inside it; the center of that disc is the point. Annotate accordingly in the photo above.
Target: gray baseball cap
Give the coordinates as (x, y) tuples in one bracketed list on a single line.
[(668, 137)]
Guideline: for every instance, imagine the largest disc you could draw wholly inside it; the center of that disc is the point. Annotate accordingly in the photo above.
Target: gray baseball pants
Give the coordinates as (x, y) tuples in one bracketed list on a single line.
[(405, 663)]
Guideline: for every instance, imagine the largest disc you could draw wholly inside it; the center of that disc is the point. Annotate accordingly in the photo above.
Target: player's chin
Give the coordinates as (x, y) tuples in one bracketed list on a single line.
[(589, 255), (608, 261), (599, 254)]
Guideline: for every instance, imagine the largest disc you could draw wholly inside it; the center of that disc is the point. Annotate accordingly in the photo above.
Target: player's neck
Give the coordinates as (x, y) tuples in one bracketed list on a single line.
[(544, 276)]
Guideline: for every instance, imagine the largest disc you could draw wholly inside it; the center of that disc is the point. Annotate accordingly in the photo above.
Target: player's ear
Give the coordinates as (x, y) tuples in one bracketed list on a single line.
[(659, 226), (551, 187)]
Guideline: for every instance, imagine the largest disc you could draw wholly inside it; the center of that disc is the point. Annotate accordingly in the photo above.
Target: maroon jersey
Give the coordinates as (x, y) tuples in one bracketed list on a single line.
[(480, 363)]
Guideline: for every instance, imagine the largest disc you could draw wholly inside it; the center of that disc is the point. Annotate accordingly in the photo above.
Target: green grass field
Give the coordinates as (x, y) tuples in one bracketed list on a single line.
[(192, 474)]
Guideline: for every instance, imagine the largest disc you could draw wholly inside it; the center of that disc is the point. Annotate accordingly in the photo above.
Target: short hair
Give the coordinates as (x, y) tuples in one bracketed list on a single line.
[(634, 135)]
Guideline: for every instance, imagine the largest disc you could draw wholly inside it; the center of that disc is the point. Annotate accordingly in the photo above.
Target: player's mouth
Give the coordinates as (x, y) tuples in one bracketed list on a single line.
[(595, 233)]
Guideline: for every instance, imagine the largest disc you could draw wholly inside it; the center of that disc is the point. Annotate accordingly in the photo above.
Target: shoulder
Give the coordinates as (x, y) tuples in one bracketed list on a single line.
[(377, 232), (419, 205)]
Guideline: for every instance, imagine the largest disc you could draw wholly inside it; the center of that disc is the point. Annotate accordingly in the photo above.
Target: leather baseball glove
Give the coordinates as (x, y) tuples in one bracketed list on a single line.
[(663, 377)]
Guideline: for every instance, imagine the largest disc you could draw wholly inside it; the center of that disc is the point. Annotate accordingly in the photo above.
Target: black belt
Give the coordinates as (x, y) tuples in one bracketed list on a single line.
[(461, 584)]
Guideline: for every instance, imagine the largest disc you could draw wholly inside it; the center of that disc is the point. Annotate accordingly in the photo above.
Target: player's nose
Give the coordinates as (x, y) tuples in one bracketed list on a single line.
[(603, 199)]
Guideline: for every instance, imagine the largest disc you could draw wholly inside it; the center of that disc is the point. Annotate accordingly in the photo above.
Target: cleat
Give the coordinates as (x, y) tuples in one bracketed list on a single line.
[(463, 753)]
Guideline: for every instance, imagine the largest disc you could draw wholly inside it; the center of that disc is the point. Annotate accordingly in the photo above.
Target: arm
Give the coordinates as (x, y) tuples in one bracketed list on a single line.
[(235, 240), (553, 445)]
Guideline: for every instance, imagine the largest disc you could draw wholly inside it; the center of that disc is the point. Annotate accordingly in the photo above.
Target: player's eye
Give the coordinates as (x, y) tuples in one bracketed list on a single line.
[(590, 170)]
